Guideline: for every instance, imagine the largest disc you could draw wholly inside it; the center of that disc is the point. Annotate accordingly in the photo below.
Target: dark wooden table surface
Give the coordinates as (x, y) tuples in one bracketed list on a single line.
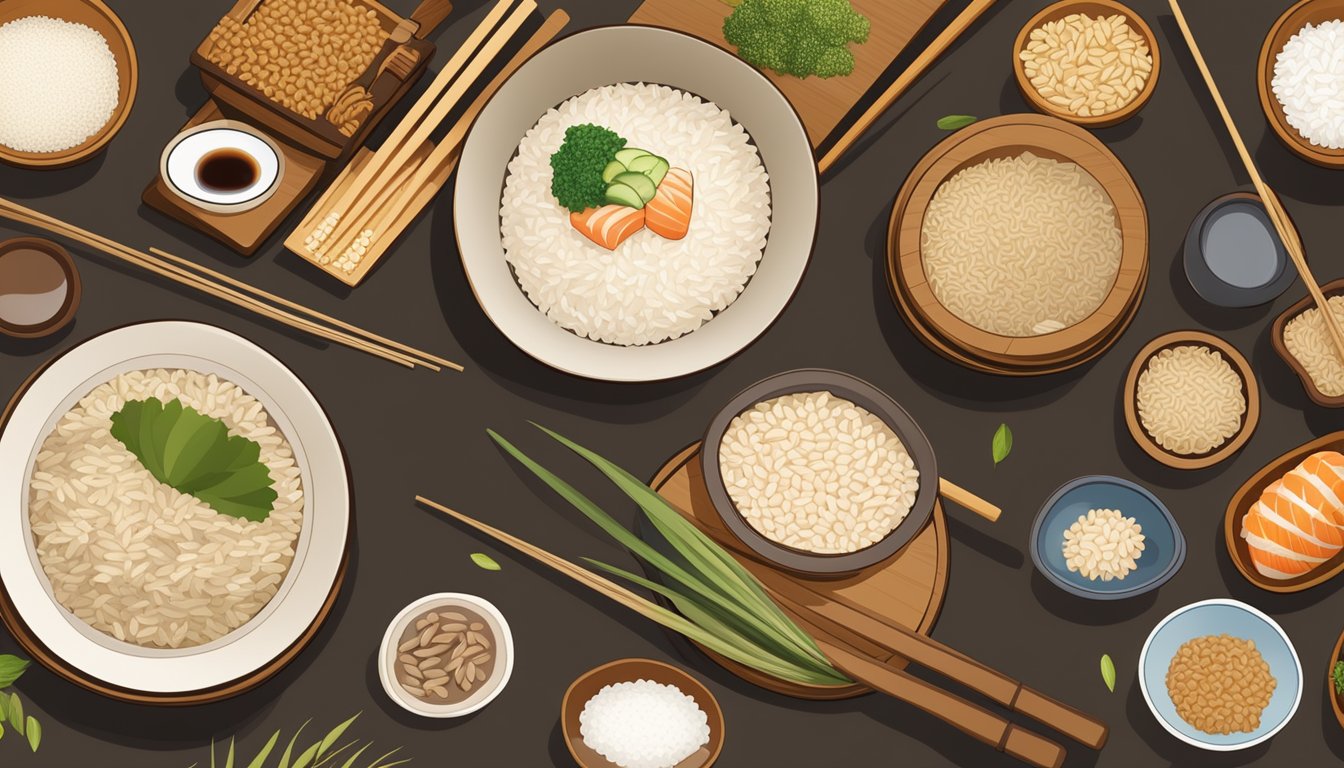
[(416, 432)]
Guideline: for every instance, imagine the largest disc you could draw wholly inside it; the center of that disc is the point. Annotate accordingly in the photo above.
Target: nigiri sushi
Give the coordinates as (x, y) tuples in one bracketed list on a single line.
[(608, 226), (668, 214), (1298, 521)]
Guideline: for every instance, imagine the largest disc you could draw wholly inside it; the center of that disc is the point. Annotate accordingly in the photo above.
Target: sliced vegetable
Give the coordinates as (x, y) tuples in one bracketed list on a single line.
[(630, 154), (638, 182), (613, 169), (622, 194)]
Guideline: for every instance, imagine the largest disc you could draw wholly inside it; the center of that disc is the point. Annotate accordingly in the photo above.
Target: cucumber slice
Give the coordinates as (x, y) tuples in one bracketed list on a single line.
[(658, 171), (624, 156), (638, 182), (613, 169), (620, 194), (643, 163)]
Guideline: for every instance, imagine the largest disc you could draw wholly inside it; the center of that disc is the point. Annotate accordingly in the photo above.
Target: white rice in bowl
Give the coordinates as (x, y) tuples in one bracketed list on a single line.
[(135, 558), (650, 289)]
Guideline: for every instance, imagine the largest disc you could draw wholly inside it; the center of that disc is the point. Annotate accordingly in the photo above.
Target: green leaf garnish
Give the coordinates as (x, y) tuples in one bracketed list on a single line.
[(34, 733), (1108, 671), (1002, 444), (11, 669), (1337, 674), (195, 454), (485, 561), (955, 122)]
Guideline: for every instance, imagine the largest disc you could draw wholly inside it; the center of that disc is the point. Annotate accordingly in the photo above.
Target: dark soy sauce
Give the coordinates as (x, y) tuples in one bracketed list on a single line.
[(227, 170)]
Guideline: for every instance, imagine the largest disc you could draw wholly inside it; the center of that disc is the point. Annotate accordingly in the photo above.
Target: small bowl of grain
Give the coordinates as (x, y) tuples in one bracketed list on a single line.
[(446, 655), (1091, 62)]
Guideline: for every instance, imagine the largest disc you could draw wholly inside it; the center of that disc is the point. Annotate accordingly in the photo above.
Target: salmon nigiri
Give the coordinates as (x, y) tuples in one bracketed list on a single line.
[(668, 214), (1298, 521), (608, 226)]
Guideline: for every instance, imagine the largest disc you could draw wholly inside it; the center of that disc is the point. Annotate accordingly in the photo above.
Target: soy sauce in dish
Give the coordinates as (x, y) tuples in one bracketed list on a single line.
[(227, 170), (33, 288)]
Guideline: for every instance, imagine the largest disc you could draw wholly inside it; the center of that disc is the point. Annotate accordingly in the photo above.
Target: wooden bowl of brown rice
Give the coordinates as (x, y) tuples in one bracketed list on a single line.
[(118, 581), (1299, 337), (819, 472), (1191, 399), (1019, 245)]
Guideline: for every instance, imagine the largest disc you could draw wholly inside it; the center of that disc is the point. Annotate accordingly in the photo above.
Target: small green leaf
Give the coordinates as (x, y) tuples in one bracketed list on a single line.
[(260, 759), (1002, 444), (1108, 671), (16, 712), (34, 733), (335, 734), (11, 669), (955, 122), (485, 561)]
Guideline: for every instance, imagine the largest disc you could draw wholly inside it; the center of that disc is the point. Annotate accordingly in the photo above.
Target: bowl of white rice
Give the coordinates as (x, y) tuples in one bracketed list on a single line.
[(146, 589), (1301, 80), (70, 76), (650, 305), (819, 472)]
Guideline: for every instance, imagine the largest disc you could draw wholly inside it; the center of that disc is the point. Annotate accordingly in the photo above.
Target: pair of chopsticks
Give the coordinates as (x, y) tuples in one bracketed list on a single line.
[(1273, 205), (870, 665), (385, 185), (235, 292)]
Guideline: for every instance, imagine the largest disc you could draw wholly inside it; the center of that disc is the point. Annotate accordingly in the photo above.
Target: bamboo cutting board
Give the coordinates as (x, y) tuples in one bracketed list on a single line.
[(821, 103), (906, 591)]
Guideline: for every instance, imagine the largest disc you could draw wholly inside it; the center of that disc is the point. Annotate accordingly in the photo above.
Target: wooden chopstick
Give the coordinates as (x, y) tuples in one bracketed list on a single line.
[(367, 197), (964, 498), (907, 78), (970, 718), (1273, 205), (15, 212)]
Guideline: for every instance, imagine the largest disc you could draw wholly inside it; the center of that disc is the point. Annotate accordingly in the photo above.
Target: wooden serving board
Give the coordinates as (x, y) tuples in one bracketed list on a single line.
[(906, 591), (821, 102)]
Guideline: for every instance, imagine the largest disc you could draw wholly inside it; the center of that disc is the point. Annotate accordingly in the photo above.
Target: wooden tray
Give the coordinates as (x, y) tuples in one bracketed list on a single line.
[(246, 231), (1009, 135), (1333, 288), (906, 591), (822, 103), (1250, 389), (1248, 494)]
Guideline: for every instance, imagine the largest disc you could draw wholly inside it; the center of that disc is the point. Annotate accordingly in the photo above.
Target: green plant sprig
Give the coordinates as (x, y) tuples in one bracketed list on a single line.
[(322, 753), (11, 707)]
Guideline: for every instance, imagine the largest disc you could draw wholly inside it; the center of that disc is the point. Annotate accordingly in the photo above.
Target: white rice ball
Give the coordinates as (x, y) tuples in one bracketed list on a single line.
[(643, 724)]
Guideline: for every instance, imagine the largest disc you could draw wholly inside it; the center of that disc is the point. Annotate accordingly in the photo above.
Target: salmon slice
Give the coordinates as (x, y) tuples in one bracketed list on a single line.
[(608, 226), (669, 212), (1298, 521)]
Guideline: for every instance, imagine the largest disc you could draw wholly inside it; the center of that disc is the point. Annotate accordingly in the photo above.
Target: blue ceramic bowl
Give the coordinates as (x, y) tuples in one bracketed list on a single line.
[(1164, 546), (1215, 617)]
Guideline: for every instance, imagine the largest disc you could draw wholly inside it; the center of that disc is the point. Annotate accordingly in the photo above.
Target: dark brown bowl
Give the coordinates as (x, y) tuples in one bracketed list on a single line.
[(1333, 288), (1250, 389), (629, 670), (861, 393), (1289, 24), (73, 293), (1247, 495)]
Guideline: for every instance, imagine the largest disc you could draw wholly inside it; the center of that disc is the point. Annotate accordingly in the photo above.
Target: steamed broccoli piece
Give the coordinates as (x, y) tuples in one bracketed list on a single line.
[(577, 179), (797, 37)]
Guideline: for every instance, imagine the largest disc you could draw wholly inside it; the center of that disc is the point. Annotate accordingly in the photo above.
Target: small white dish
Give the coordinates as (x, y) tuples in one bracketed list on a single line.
[(486, 693), (181, 162)]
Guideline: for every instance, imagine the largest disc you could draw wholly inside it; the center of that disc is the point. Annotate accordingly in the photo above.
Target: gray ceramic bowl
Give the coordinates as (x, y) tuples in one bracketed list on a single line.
[(861, 393), (1250, 265)]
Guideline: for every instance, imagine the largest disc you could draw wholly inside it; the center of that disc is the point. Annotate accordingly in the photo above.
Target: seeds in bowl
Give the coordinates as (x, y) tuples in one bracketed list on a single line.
[(1220, 684), (643, 724), (445, 654), (1190, 399), (817, 472), (1308, 341), (1103, 544), (1087, 66)]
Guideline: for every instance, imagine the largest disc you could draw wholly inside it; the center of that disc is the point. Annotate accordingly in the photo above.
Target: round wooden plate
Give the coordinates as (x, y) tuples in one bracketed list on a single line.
[(1250, 389), (1008, 136), (905, 591), (1289, 24)]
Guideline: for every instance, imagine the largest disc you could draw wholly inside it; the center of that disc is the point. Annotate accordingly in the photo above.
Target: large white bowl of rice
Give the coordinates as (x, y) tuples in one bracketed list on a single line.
[(652, 305)]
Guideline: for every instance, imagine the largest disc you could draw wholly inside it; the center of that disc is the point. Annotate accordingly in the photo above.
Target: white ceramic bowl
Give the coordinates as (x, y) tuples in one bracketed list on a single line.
[(93, 658), (177, 165), (485, 693), (628, 54)]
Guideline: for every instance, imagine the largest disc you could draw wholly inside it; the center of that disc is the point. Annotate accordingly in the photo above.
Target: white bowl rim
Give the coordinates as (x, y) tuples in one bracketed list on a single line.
[(498, 678), (1297, 665), (225, 203), (509, 309)]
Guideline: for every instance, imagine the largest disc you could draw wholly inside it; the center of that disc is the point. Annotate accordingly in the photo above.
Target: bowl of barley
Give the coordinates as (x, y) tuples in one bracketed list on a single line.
[(1093, 63), (446, 655)]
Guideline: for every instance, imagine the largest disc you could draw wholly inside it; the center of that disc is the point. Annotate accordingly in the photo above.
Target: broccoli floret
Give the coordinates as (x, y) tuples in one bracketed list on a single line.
[(1337, 675), (577, 165), (797, 37)]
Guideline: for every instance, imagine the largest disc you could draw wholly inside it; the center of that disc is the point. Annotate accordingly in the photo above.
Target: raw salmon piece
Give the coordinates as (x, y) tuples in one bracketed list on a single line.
[(1298, 521), (668, 214), (608, 226)]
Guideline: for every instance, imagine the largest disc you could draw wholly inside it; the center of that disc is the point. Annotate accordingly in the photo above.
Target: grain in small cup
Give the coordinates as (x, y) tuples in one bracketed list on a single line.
[(446, 655)]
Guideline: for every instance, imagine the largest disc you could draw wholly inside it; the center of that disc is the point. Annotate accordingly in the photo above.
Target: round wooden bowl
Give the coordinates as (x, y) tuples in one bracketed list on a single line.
[(1249, 493), (1333, 288), (1249, 387), (1289, 24), (94, 14), (1092, 8), (629, 670), (1009, 136), (73, 294), (1335, 704)]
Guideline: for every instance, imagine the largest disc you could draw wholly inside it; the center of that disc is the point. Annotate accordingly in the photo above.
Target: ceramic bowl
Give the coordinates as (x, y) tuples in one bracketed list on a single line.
[(74, 288), (180, 159), (1252, 267)]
